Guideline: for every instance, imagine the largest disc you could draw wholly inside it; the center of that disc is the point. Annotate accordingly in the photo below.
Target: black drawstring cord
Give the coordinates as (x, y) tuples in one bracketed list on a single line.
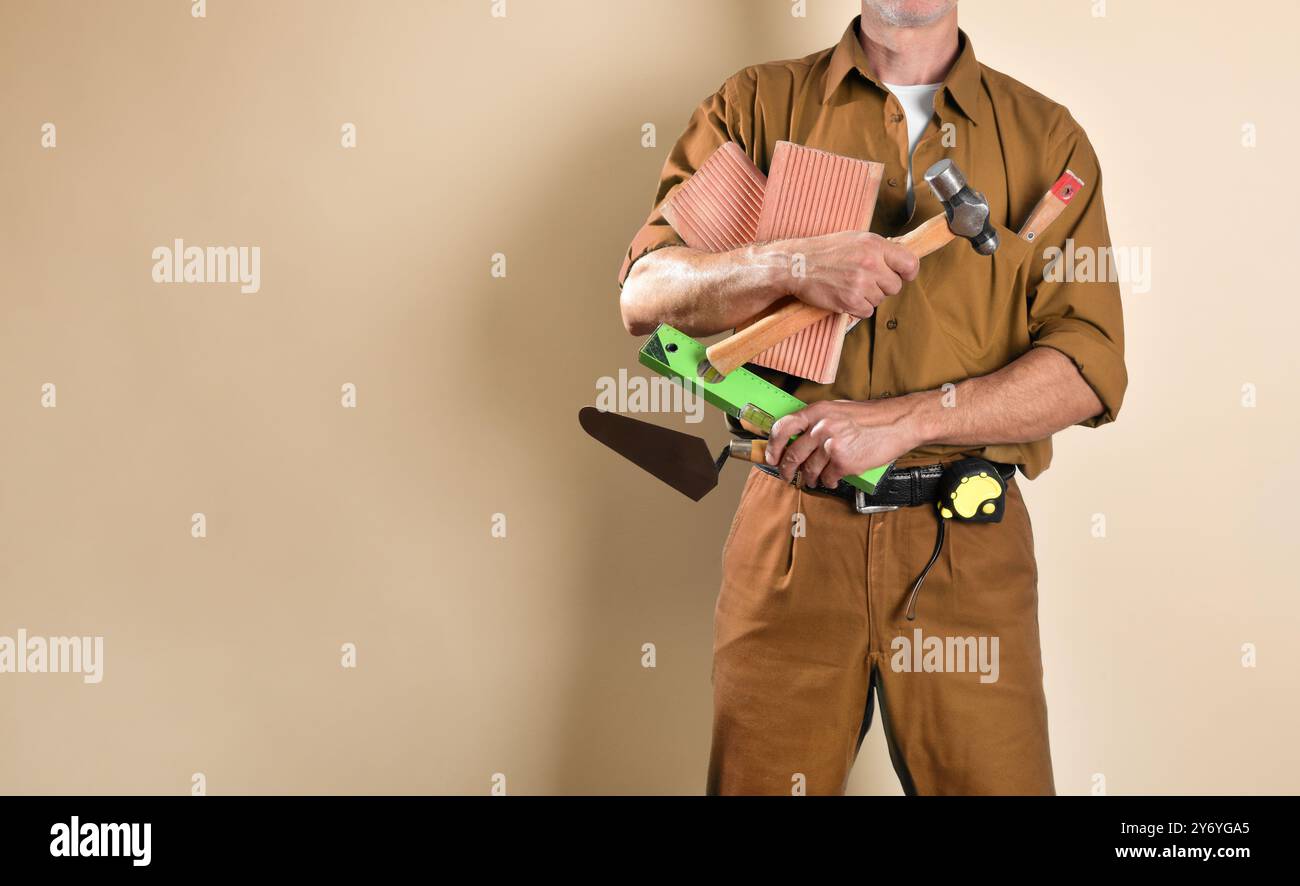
[(916, 588)]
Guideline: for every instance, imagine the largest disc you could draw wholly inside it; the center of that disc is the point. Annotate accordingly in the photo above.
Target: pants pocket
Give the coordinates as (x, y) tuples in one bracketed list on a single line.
[(740, 511), (760, 548), (994, 571)]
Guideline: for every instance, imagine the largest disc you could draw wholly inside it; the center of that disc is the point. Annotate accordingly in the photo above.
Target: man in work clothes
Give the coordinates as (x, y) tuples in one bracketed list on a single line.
[(959, 355)]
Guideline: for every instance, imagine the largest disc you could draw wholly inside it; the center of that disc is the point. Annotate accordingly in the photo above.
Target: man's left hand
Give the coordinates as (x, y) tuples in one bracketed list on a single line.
[(839, 438)]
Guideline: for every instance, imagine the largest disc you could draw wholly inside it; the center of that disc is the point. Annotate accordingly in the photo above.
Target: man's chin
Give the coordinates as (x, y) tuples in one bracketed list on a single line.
[(910, 13)]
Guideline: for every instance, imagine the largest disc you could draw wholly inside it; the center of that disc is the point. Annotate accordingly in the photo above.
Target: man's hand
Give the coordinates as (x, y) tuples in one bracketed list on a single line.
[(840, 438), (1032, 397), (849, 273)]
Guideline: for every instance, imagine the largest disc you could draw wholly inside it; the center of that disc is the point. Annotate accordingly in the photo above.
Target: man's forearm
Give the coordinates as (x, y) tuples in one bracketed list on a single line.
[(1030, 398), (701, 293)]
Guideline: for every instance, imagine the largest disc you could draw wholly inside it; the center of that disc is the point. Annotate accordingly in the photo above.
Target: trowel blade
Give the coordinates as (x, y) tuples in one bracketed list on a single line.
[(680, 460)]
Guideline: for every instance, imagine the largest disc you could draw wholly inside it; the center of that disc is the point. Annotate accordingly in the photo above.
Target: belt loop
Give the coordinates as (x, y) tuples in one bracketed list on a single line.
[(914, 494)]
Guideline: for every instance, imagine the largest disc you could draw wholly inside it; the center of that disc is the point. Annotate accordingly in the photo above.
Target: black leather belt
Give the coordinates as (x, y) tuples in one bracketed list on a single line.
[(900, 488)]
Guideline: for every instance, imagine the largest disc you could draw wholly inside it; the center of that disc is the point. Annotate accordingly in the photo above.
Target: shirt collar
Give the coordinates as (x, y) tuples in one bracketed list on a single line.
[(962, 82)]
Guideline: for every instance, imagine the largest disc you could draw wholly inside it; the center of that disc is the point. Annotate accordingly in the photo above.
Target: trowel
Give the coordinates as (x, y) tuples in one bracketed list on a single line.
[(682, 461)]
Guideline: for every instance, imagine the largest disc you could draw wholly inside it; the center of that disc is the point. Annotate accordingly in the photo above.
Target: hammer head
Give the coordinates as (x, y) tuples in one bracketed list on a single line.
[(966, 208)]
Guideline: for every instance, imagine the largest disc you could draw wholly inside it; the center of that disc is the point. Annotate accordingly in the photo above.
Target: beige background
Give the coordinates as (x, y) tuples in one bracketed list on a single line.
[(522, 655)]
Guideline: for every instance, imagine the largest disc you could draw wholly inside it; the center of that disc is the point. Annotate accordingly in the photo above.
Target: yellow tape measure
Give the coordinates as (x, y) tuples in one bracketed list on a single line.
[(972, 491)]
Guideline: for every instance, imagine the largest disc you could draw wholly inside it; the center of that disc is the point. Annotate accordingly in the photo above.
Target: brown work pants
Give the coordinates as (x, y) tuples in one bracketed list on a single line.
[(811, 620)]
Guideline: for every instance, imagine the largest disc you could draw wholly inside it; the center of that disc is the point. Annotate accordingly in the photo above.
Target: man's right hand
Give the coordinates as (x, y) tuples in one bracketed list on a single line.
[(848, 273)]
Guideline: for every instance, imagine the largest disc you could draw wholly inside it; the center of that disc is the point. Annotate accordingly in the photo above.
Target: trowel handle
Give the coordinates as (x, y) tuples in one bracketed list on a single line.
[(752, 451)]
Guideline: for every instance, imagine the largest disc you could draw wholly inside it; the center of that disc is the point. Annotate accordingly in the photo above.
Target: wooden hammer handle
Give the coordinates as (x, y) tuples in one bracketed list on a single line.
[(929, 237), (790, 317), (793, 316)]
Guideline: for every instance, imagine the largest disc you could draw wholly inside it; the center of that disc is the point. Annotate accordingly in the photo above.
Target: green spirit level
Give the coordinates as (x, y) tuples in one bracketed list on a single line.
[(742, 394)]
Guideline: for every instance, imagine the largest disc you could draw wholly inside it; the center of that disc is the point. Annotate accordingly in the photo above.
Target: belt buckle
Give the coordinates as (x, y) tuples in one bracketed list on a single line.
[(860, 504)]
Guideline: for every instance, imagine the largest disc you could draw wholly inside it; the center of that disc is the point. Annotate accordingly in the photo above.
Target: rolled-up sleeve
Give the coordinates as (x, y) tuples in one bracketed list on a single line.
[(1075, 305), (708, 129)]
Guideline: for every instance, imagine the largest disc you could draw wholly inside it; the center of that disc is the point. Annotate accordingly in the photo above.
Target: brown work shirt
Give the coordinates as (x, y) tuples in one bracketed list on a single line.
[(965, 315)]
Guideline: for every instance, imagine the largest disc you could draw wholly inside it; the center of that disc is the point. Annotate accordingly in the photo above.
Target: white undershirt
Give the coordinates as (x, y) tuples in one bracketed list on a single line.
[(918, 105)]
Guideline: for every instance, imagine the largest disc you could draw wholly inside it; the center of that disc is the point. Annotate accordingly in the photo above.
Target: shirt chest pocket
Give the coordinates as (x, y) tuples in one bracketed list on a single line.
[(974, 306)]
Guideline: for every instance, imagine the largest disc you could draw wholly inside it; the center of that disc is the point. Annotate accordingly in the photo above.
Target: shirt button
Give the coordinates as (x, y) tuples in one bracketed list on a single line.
[(893, 182), (886, 395), (897, 118), (892, 324)]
